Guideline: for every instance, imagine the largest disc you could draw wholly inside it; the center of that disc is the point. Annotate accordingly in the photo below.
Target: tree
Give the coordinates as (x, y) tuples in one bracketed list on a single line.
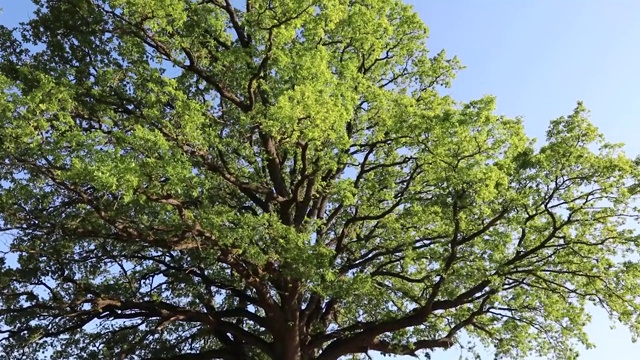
[(283, 179)]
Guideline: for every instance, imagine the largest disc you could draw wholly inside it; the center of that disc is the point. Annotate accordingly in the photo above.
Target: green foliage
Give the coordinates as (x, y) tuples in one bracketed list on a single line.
[(281, 179)]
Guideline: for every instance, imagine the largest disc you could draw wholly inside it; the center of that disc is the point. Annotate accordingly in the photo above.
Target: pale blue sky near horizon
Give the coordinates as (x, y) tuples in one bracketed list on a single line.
[(538, 57)]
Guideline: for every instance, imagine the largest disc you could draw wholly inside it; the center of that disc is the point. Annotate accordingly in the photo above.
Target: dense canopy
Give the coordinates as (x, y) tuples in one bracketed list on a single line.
[(284, 179)]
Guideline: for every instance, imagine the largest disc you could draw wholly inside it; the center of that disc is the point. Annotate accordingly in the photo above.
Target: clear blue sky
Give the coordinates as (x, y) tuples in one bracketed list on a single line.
[(538, 57)]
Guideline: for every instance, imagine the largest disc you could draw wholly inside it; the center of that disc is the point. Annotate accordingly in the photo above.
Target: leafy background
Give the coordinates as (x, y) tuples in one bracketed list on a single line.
[(537, 57)]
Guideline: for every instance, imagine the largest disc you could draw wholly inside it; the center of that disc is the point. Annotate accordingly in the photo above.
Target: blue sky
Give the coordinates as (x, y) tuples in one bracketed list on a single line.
[(538, 57)]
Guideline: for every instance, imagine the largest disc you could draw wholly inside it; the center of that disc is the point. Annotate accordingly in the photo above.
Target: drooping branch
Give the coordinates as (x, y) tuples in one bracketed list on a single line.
[(239, 29), (365, 333)]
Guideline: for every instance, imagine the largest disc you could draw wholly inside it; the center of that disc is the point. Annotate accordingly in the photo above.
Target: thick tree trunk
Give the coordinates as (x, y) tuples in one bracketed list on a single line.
[(290, 346), (292, 349)]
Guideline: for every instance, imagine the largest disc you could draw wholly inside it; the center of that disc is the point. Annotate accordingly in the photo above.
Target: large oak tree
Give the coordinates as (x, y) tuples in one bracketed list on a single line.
[(283, 179)]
